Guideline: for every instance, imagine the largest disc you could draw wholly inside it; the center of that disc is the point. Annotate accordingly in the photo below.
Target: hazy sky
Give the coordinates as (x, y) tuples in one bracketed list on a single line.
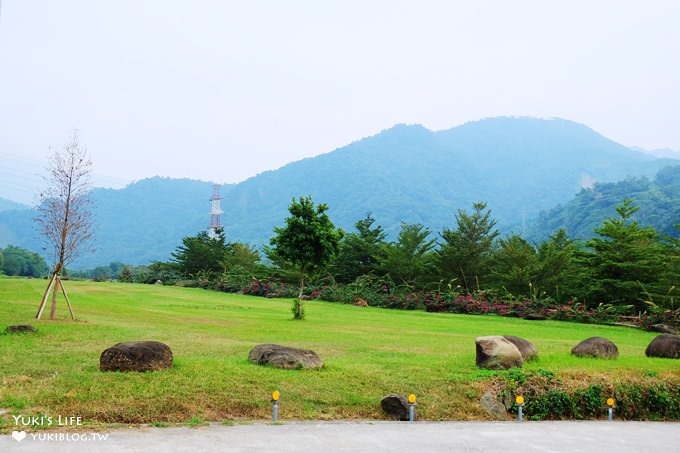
[(223, 90)]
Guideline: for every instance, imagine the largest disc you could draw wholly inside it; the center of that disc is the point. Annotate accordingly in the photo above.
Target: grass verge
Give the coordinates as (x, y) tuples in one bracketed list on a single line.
[(368, 353)]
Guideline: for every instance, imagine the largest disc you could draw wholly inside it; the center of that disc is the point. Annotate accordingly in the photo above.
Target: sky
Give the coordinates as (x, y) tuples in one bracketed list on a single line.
[(223, 90)]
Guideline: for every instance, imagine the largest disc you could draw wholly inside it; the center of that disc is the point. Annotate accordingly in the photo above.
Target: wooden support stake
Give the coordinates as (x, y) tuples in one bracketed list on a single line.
[(63, 290), (45, 296)]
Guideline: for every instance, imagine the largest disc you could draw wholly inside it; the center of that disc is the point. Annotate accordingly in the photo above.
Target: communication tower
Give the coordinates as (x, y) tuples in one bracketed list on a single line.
[(215, 212)]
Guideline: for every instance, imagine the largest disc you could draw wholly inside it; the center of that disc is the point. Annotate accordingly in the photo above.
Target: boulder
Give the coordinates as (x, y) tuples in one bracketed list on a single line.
[(665, 345), (20, 328), (497, 353), (395, 406), (136, 356), (284, 357), (535, 317), (597, 347), (493, 406), (526, 348), (663, 328)]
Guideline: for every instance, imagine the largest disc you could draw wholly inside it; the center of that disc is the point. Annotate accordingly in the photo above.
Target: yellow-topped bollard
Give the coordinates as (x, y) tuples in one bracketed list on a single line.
[(275, 405), (411, 398), (610, 408), (519, 401)]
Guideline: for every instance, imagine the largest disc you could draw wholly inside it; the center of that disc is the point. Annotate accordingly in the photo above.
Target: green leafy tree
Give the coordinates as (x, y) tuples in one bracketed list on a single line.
[(557, 270), (202, 254), (673, 247), (515, 262), (21, 262), (361, 252), (409, 259), (158, 272), (308, 241), (242, 255), (624, 261), (125, 275), (465, 254)]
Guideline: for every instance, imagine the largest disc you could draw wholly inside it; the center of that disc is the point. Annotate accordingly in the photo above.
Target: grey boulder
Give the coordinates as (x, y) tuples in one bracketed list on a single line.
[(497, 353), (666, 346), (597, 347), (285, 357), (136, 356)]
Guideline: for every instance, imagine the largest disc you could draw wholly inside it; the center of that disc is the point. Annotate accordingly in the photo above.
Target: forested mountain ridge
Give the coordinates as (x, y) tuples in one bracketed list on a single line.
[(9, 205), (138, 224), (658, 201), (518, 166)]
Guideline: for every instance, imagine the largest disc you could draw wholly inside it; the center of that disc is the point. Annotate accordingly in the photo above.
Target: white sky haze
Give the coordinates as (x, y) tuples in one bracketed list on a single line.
[(223, 90)]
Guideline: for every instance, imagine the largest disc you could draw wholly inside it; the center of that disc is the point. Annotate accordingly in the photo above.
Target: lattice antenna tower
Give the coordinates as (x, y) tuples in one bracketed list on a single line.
[(215, 212)]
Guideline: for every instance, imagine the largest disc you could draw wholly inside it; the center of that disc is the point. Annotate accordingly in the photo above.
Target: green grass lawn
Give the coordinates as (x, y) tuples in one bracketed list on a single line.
[(367, 353)]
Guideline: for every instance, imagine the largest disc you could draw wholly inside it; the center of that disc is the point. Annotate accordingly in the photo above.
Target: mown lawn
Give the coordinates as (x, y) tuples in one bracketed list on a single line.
[(368, 353)]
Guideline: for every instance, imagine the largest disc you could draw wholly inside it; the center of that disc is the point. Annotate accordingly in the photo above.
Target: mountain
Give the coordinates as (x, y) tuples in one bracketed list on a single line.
[(663, 152), (658, 203), (519, 166), (136, 225), (9, 205)]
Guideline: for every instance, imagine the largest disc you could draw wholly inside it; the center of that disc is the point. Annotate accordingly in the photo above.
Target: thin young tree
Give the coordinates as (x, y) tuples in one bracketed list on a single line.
[(309, 241), (65, 216)]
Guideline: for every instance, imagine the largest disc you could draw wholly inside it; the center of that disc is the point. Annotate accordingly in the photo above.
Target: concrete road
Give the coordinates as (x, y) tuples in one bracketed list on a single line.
[(371, 437)]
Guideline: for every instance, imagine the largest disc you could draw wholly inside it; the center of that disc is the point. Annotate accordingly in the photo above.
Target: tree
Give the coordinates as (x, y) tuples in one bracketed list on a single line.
[(625, 262), (18, 261), (466, 252), (409, 259), (557, 272), (125, 274), (514, 265), (65, 212), (242, 255), (209, 256), (202, 254), (360, 252), (309, 240)]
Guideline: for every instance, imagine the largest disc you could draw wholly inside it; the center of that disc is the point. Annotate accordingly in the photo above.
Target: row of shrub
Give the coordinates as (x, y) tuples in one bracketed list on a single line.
[(546, 397), (382, 292)]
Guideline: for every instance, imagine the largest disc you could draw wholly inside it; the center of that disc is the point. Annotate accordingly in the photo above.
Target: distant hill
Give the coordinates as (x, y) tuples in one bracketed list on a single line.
[(519, 166), (9, 205), (658, 201), (136, 225), (663, 152)]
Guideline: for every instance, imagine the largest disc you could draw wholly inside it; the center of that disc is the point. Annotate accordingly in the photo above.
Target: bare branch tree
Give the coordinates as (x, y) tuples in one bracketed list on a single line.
[(65, 212)]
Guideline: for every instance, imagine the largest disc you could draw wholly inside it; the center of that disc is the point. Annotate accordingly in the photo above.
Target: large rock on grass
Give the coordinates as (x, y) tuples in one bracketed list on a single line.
[(526, 347), (665, 346), (497, 353), (597, 347), (395, 406), (663, 328), (136, 356), (285, 357)]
